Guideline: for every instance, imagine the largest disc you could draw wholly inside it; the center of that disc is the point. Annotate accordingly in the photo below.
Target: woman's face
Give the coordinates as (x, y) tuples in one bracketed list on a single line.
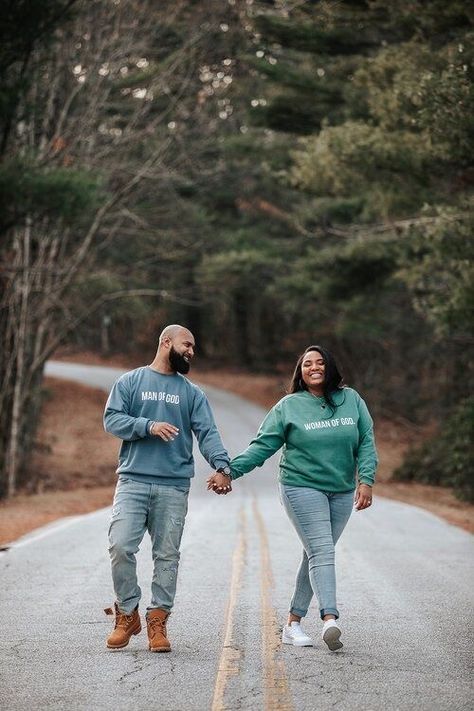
[(313, 371)]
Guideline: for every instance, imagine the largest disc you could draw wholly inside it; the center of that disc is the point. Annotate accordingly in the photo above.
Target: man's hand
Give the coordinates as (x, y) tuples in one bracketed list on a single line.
[(363, 497), (219, 483), (164, 430)]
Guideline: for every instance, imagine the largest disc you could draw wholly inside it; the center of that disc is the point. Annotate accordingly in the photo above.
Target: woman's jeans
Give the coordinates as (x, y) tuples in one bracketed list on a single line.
[(319, 518), (160, 510)]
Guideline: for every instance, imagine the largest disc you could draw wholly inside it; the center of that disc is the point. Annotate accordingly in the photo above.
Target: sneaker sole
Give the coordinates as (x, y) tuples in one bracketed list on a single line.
[(289, 640), (331, 638)]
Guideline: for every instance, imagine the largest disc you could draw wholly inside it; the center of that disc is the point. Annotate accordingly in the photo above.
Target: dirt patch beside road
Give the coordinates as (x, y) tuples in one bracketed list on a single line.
[(74, 451), (74, 467), (24, 512)]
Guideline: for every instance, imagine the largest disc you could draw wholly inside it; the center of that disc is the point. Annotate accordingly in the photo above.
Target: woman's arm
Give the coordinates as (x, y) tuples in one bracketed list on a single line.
[(367, 458), (270, 437)]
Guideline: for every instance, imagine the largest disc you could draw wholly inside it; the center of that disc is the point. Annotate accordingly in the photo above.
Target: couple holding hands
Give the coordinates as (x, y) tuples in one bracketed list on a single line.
[(327, 469)]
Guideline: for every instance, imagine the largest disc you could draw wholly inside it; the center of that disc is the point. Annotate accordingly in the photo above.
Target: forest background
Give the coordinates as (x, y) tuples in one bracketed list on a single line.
[(271, 174)]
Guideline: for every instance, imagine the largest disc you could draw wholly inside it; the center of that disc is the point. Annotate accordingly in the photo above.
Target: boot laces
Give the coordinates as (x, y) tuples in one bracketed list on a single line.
[(157, 625), (123, 620)]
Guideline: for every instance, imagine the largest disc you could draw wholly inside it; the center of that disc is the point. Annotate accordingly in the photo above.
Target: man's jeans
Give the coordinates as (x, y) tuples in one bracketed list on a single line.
[(319, 519), (160, 510)]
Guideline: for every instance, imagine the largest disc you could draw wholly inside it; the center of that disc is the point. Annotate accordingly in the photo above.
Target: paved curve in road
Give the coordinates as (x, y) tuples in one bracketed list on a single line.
[(405, 588)]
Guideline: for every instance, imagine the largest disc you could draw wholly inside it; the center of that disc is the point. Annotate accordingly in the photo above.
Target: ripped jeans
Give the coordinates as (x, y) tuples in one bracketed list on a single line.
[(160, 510)]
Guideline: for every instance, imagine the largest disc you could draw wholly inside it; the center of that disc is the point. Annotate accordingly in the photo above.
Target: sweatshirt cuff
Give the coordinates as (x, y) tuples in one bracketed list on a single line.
[(220, 463), (366, 479), (141, 426), (235, 474)]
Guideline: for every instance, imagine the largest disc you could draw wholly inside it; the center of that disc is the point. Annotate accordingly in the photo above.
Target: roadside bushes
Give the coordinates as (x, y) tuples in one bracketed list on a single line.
[(448, 458)]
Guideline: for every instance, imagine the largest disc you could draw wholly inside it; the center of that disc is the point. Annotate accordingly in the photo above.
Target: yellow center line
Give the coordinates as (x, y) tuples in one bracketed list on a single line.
[(277, 692), (230, 656)]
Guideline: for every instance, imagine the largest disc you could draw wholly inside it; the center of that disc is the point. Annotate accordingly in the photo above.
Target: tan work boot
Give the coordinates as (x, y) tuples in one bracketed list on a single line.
[(125, 627), (156, 626)]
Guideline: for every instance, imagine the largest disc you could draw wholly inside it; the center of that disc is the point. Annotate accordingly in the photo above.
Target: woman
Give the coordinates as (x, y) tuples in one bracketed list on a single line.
[(326, 433)]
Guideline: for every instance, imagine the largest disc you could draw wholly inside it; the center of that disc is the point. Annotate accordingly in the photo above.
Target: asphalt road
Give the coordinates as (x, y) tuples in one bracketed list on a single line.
[(405, 581)]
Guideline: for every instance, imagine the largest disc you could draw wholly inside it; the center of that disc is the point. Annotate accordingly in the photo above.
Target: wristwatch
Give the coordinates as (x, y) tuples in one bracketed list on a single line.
[(225, 470)]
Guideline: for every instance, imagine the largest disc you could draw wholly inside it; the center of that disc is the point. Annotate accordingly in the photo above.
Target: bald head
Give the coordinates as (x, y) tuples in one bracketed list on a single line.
[(173, 331)]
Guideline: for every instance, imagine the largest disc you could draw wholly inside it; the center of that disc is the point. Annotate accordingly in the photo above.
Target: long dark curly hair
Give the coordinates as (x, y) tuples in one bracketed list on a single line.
[(332, 378)]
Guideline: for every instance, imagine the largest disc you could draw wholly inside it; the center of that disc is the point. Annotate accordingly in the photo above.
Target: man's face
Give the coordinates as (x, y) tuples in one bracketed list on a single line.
[(182, 352)]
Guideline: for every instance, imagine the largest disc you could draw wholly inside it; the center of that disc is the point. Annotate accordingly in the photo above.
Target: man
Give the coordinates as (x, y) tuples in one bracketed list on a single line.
[(154, 410)]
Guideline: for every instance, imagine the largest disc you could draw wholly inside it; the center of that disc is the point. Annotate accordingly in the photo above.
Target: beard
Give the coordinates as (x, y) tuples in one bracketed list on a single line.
[(178, 362)]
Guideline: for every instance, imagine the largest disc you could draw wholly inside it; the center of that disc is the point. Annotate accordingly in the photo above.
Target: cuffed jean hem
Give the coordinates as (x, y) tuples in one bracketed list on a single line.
[(300, 613), (125, 610), (329, 611)]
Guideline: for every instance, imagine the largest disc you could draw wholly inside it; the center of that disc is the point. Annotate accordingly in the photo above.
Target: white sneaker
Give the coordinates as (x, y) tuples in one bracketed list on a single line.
[(331, 633), (293, 634)]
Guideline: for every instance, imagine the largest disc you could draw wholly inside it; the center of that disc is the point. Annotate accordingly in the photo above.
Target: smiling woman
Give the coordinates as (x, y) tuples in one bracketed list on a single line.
[(317, 370), (326, 434), (312, 371)]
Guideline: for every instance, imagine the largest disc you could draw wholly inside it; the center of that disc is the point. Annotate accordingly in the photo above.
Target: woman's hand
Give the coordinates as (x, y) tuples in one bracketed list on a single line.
[(219, 483), (363, 497)]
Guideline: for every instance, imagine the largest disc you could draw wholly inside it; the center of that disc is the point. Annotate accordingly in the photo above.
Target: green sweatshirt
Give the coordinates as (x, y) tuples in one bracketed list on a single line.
[(320, 450)]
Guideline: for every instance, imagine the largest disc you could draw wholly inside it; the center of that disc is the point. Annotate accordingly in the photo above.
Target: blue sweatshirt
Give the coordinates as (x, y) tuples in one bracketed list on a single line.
[(142, 396)]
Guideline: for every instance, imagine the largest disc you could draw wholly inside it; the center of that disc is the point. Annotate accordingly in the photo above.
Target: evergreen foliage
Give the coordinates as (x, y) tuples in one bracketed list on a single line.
[(271, 175), (61, 193), (447, 459), (377, 248)]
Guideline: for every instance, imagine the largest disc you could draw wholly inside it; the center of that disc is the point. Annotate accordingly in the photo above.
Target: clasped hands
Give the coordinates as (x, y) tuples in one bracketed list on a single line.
[(219, 483)]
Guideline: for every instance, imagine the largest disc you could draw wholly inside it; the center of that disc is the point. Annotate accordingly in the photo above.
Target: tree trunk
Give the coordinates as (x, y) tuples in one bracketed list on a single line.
[(13, 458)]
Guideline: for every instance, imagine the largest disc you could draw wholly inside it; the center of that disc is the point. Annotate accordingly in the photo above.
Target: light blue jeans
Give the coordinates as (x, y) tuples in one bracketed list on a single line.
[(160, 510), (319, 518)]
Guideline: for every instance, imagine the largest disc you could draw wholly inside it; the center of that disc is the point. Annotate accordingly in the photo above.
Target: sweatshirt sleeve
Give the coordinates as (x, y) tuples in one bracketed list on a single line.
[(204, 427), (367, 459), (117, 420), (270, 437)]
